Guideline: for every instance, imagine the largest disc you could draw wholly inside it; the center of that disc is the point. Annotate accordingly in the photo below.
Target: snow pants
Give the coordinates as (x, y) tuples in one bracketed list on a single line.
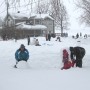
[(79, 59)]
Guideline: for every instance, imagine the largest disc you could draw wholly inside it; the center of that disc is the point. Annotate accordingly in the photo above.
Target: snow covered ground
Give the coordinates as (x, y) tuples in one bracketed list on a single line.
[(44, 72)]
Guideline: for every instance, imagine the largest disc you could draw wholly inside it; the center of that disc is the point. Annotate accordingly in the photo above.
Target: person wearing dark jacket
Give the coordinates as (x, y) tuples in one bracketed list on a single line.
[(28, 39), (79, 53), (37, 43), (21, 54), (49, 37)]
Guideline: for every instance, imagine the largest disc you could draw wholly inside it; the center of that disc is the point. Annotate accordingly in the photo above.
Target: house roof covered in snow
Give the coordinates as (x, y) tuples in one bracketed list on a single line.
[(41, 16), (18, 16), (31, 27), (26, 16)]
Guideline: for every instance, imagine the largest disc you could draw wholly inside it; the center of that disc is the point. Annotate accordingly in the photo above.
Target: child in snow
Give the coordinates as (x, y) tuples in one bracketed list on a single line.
[(21, 54), (37, 43), (67, 64)]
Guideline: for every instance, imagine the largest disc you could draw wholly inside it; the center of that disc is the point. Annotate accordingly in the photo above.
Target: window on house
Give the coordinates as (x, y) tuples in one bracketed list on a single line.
[(27, 22), (8, 19), (37, 21), (31, 22)]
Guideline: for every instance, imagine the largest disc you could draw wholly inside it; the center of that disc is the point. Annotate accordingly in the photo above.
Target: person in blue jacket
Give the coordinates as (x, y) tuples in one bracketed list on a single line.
[(21, 54)]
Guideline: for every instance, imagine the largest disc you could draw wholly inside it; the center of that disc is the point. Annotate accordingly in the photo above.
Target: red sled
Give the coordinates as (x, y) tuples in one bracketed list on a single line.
[(67, 65)]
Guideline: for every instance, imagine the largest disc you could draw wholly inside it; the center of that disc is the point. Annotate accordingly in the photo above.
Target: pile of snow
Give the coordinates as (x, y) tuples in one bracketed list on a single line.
[(22, 65), (45, 66)]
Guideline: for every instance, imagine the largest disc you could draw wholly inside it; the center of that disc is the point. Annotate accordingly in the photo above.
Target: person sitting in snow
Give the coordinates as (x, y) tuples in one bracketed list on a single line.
[(58, 39), (37, 43), (79, 53), (67, 64), (21, 54)]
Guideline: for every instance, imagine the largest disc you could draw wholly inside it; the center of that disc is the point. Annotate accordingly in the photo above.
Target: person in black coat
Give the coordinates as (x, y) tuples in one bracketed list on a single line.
[(49, 37), (79, 53), (28, 39)]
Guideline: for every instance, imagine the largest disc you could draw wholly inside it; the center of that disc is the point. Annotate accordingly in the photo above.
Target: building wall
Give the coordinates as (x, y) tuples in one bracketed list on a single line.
[(19, 20), (38, 21), (24, 33), (9, 22), (49, 24)]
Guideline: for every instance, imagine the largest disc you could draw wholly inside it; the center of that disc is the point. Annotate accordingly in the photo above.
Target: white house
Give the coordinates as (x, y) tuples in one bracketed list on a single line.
[(33, 25)]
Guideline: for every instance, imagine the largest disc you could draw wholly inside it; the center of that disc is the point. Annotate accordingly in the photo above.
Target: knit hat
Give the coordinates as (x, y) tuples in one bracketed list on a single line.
[(71, 48), (22, 46), (64, 50)]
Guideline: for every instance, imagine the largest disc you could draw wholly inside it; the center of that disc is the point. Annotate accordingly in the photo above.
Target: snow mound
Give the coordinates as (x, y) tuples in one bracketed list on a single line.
[(22, 65)]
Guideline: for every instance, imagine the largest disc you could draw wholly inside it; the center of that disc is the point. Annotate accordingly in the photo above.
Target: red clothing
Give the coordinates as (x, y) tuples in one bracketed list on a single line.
[(65, 56), (67, 65), (73, 62)]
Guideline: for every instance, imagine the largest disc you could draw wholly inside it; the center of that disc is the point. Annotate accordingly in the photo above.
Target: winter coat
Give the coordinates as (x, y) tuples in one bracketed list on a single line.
[(67, 65), (36, 43), (49, 37), (28, 39), (22, 55), (79, 52), (65, 56)]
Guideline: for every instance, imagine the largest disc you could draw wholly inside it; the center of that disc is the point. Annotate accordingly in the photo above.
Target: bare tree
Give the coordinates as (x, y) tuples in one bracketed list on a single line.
[(85, 6), (57, 10), (60, 15), (42, 7)]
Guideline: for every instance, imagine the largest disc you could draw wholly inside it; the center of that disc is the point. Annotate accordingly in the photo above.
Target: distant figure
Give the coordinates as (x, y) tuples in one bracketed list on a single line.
[(79, 53), (49, 37), (73, 36), (37, 43), (46, 37), (85, 36), (4, 37), (58, 39), (28, 39), (21, 54), (80, 34), (77, 35)]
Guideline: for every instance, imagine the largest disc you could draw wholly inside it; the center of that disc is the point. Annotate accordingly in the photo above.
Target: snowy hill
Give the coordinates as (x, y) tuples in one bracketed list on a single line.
[(45, 66)]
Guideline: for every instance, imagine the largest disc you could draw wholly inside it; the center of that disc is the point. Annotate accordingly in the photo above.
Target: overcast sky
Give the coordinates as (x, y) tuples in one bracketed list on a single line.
[(71, 8), (74, 14)]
